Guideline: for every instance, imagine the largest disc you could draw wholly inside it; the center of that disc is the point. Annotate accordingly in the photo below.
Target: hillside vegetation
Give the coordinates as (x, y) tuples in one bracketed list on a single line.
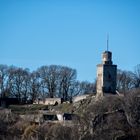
[(110, 118)]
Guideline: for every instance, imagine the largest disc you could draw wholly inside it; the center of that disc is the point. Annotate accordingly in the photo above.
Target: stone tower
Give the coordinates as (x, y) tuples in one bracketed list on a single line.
[(106, 75)]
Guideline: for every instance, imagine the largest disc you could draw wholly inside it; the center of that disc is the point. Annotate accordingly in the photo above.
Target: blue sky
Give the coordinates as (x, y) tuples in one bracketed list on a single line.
[(69, 32)]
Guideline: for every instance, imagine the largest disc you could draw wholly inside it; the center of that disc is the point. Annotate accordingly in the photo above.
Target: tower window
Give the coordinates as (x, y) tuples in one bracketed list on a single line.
[(109, 76), (109, 89)]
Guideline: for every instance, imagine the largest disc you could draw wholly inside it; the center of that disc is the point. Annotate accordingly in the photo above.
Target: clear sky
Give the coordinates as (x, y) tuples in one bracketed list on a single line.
[(69, 32)]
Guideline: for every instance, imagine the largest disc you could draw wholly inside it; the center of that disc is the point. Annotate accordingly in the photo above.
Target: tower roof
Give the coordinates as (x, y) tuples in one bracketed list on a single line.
[(107, 57)]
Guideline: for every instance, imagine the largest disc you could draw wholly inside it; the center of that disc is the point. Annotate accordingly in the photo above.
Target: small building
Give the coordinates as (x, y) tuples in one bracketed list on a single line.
[(58, 117), (53, 117), (80, 98), (106, 75), (48, 101)]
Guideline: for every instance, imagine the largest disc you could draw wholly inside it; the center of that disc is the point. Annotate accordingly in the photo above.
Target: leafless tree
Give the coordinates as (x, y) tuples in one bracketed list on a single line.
[(132, 108), (19, 83), (47, 81), (87, 87), (137, 76), (35, 86), (4, 76), (67, 78), (49, 76), (125, 81)]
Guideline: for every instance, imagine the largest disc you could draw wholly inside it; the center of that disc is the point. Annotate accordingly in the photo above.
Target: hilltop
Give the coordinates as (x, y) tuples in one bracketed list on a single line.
[(112, 117)]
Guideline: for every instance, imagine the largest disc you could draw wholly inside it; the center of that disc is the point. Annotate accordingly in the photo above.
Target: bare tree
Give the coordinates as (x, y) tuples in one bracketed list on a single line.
[(67, 79), (137, 76), (35, 86), (49, 76), (132, 108), (19, 82), (87, 87), (124, 81), (47, 81), (4, 76)]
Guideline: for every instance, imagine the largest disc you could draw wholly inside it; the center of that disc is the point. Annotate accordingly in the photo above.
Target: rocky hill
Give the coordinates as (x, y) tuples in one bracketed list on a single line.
[(109, 118)]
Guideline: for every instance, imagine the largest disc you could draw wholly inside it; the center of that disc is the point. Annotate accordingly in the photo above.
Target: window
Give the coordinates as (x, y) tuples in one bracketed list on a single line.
[(109, 76)]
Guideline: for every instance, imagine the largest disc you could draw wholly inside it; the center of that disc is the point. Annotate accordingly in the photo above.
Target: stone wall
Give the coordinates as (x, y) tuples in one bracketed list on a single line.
[(49, 101)]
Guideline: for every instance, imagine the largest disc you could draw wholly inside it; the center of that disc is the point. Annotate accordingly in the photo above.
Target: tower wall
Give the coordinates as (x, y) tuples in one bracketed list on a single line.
[(109, 78), (99, 79)]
